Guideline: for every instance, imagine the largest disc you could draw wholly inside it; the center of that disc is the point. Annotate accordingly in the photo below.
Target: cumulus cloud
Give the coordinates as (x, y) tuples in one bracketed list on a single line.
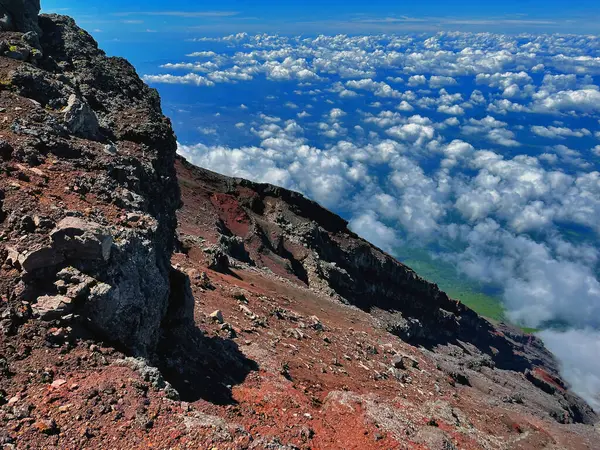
[(583, 100), (208, 54), (417, 80), (505, 176), (374, 231), (405, 106), (336, 113), (378, 88), (437, 81), (492, 129), (578, 352), (454, 110), (412, 132), (558, 132), (191, 78)]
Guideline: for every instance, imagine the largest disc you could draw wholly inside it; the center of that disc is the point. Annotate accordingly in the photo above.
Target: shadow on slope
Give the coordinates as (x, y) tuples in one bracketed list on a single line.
[(201, 367), (197, 366)]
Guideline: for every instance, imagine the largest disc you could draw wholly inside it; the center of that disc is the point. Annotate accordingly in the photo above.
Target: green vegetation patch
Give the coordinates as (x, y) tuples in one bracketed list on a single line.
[(456, 285)]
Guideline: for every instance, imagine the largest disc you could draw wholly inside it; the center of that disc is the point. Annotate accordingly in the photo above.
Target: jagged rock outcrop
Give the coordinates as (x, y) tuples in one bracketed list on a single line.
[(297, 239), (19, 15), (88, 184), (270, 326)]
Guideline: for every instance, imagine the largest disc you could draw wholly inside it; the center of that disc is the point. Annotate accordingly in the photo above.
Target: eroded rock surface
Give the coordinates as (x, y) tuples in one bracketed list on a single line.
[(67, 202), (19, 15), (271, 326)]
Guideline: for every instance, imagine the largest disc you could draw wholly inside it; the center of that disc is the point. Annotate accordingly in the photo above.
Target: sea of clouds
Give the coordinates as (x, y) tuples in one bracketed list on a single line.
[(484, 147)]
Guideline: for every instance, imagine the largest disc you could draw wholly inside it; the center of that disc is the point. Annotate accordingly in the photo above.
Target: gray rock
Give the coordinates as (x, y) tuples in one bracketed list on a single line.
[(12, 257), (130, 302), (40, 258), (20, 54), (294, 333), (20, 15), (53, 307), (404, 362), (80, 118), (150, 374), (218, 261), (217, 316), (72, 283), (80, 239), (457, 374), (434, 438), (110, 149), (31, 38)]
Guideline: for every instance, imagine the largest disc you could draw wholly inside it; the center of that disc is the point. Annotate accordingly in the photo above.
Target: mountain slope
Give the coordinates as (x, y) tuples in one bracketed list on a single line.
[(250, 317)]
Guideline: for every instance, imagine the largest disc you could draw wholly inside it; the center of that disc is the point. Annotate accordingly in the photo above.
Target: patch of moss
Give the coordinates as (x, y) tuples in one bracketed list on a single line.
[(456, 285), (472, 294)]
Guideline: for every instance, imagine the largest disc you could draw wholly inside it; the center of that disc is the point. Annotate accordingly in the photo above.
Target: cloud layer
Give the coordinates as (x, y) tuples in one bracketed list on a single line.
[(482, 146)]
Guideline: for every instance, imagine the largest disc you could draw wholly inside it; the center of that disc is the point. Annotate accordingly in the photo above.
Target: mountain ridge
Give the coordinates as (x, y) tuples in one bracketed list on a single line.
[(145, 300)]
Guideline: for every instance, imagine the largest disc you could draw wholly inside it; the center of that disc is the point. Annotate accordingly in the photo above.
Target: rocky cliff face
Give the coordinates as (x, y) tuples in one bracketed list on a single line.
[(88, 184), (264, 226), (271, 326), (19, 15)]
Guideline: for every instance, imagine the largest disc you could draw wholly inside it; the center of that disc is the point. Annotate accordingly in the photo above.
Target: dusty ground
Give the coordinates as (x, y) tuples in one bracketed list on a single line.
[(309, 338)]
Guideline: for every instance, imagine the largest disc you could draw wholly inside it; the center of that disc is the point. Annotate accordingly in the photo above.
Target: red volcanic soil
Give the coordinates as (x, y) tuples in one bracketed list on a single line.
[(272, 326), (290, 367)]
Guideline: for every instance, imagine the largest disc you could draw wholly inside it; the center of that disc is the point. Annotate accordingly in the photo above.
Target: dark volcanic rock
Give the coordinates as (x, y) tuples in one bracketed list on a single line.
[(77, 103), (19, 15), (299, 240)]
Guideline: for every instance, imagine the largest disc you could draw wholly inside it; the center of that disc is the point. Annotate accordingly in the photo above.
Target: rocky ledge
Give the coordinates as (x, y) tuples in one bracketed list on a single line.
[(89, 192), (150, 303)]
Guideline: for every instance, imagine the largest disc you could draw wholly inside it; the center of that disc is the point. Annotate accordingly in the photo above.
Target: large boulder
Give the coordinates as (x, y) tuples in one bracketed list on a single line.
[(80, 118), (20, 15)]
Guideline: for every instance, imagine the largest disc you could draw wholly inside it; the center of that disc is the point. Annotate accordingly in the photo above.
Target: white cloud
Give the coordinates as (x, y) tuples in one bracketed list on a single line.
[(405, 106), (207, 130), (208, 54), (558, 132), (336, 113), (190, 78), (503, 80), (417, 80), (367, 226), (436, 81), (492, 129), (578, 352), (398, 80), (412, 132), (584, 100), (454, 110), (378, 88)]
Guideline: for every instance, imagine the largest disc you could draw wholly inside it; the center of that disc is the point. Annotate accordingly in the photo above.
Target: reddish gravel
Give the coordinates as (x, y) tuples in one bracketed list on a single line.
[(279, 354)]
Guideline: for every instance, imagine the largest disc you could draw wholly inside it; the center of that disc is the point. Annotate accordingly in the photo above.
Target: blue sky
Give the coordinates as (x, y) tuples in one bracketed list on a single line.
[(312, 16)]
